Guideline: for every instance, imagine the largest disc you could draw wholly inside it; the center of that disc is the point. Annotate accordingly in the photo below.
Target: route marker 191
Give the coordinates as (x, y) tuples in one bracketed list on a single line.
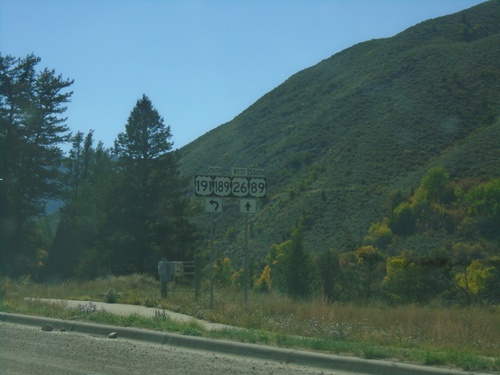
[(203, 185)]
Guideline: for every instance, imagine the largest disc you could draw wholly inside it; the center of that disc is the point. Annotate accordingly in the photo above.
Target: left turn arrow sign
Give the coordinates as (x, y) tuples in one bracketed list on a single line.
[(213, 204)]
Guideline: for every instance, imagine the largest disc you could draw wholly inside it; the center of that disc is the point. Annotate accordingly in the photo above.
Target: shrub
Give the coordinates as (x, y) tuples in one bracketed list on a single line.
[(403, 220), (379, 235)]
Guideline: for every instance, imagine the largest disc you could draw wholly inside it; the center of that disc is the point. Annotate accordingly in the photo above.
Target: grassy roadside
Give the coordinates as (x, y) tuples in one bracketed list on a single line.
[(465, 338)]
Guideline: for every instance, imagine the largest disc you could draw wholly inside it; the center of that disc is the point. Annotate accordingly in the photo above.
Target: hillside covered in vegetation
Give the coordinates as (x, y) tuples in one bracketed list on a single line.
[(338, 138), (347, 144)]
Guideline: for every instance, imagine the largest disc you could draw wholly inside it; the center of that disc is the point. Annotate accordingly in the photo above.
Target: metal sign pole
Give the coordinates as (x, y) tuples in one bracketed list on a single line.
[(246, 258), (211, 261)]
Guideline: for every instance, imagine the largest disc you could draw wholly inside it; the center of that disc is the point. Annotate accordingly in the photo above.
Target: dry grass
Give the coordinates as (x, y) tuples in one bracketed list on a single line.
[(472, 329), (467, 337)]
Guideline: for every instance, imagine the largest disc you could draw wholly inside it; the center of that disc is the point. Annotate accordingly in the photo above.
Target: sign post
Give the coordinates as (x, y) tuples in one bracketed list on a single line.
[(164, 276), (246, 258), (254, 187), (211, 262), (247, 206)]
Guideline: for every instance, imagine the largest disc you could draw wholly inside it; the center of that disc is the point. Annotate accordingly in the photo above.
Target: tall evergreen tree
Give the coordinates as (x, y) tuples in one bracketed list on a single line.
[(152, 191), (75, 163), (298, 267), (31, 128), (81, 218)]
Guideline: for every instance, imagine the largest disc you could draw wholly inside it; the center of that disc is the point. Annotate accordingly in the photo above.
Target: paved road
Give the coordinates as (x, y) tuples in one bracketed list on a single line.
[(27, 350)]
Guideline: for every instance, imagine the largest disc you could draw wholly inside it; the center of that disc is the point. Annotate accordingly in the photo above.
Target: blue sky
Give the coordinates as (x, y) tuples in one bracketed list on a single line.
[(200, 62)]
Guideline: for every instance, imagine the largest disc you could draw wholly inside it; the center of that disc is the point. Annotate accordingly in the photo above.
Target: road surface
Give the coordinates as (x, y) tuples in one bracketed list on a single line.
[(27, 350)]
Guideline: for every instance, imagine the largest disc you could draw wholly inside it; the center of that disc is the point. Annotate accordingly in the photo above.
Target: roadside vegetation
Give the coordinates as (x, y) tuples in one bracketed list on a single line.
[(461, 337)]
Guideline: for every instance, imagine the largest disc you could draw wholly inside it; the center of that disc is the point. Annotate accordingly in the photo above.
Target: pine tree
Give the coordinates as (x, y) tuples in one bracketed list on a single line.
[(298, 267), (85, 204), (31, 128), (154, 212)]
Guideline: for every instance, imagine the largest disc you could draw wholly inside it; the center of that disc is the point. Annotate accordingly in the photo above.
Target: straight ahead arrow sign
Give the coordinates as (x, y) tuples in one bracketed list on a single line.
[(248, 206)]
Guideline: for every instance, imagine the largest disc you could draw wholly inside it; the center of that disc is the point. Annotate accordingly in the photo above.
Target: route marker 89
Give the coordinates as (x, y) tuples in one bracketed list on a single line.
[(257, 187)]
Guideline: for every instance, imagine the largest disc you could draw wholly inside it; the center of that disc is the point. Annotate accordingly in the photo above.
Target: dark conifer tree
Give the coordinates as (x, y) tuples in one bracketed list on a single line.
[(31, 129), (298, 267), (154, 207)]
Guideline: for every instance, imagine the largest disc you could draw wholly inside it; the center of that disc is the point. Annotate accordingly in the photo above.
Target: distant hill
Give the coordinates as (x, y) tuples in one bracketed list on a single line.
[(337, 138)]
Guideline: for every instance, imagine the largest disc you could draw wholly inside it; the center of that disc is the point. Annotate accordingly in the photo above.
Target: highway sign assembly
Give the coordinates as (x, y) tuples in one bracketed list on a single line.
[(247, 184), (230, 186)]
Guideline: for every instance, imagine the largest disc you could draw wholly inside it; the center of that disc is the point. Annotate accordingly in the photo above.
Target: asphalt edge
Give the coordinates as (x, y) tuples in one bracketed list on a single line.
[(262, 352)]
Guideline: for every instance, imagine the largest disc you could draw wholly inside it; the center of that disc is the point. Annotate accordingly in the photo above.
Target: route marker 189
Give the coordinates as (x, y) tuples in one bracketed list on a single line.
[(222, 186)]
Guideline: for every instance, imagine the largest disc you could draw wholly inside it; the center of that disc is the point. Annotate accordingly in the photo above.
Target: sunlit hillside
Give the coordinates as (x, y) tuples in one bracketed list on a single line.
[(337, 139)]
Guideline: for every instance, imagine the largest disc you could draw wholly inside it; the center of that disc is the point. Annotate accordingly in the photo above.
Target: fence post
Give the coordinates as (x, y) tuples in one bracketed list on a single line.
[(163, 273)]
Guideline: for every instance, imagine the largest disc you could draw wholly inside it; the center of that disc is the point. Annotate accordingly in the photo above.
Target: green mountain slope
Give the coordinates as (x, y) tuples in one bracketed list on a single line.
[(337, 138)]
